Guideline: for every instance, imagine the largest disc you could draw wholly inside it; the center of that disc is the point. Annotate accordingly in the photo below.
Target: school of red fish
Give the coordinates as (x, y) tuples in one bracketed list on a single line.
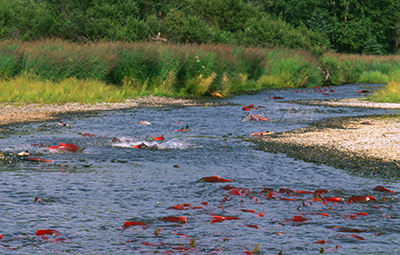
[(179, 214), (324, 205)]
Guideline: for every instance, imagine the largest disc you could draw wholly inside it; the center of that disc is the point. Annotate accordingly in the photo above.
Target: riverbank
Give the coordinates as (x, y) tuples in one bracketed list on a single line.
[(362, 145), (13, 114)]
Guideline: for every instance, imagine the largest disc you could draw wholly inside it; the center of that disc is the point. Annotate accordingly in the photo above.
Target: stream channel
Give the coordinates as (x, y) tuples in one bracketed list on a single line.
[(86, 196)]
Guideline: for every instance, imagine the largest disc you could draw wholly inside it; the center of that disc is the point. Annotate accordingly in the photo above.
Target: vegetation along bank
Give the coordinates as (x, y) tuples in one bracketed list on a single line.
[(56, 71), (109, 50)]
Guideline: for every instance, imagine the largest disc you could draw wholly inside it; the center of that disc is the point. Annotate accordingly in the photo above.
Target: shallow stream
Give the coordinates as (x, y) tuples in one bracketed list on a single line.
[(86, 196)]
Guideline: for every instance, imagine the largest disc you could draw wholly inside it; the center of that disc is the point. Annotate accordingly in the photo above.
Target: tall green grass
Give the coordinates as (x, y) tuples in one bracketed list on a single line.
[(291, 69), (347, 68), (61, 71), (160, 69), (31, 90)]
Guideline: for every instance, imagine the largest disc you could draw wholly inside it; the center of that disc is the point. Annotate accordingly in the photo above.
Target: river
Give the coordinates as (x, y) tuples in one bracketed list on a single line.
[(85, 197)]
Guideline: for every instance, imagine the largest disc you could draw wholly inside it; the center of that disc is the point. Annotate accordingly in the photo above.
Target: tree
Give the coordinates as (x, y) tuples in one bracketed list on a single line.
[(180, 27), (227, 15), (372, 47)]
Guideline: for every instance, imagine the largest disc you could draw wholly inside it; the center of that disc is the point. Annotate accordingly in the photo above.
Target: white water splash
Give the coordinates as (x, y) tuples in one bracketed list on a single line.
[(145, 144), (32, 149)]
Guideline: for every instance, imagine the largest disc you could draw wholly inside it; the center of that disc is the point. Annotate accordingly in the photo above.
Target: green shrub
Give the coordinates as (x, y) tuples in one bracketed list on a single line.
[(241, 83), (290, 69), (9, 63), (250, 61), (331, 69), (374, 77), (268, 81), (350, 68), (188, 70), (394, 74)]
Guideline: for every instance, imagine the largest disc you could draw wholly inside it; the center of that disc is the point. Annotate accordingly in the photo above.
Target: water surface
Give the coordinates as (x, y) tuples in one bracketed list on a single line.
[(88, 195)]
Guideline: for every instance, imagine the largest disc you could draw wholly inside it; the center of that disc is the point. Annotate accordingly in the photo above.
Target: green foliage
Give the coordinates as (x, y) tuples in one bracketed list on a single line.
[(346, 23), (181, 27), (185, 70), (390, 93), (132, 64), (294, 69), (331, 69), (369, 27), (10, 60), (352, 71), (239, 83), (344, 69), (339, 71), (31, 90), (372, 47), (252, 62), (394, 74), (382, 65), (319, 23), (226, 15), (373, 77), (8, 25), (56, 60), (266, 31)]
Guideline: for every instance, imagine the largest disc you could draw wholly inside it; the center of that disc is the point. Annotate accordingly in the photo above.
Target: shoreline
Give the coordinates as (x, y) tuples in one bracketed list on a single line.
[(366, 145), (349, 102), (363, 145), (17, 114)]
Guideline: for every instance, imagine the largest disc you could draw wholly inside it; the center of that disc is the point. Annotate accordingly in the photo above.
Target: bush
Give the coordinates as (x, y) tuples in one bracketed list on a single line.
[(374, 77), (293, 69), (250, 61), (9, 63)]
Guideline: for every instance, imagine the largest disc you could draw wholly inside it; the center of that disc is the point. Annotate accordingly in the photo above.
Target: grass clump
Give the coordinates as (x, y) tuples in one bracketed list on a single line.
[(57, 60), (373, 77), (289, 68), (391, 93), (341, 69), (33, 90)]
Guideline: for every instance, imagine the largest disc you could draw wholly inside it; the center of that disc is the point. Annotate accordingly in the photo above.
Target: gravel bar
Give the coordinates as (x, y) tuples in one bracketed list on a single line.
[(13, 114), (367, 145)]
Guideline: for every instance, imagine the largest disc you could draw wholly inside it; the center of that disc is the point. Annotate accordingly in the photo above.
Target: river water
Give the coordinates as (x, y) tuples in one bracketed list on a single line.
[(86, 196)]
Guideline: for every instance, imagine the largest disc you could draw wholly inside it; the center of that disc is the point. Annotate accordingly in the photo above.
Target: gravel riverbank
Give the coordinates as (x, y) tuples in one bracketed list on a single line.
[(363, 145), (12, 114)]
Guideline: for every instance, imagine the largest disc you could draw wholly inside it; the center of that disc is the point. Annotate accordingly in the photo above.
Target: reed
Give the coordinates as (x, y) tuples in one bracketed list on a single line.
[(56, 60)]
